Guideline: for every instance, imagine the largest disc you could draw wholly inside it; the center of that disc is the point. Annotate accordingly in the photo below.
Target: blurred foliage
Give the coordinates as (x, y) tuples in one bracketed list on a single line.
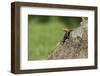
[(69, 22), (43, 19)]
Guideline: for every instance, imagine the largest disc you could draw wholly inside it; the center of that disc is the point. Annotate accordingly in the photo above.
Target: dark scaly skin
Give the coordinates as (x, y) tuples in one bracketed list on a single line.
[(66, 36)]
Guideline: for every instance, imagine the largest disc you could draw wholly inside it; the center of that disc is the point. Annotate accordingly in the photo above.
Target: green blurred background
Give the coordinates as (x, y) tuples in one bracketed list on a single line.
[(44, 32)]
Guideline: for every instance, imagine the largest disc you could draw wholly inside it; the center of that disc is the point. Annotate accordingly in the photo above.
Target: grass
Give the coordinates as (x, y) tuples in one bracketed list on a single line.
[(43, 37)]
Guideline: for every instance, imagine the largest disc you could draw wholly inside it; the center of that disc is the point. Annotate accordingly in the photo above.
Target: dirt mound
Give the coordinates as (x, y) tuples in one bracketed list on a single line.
[(74, 47)]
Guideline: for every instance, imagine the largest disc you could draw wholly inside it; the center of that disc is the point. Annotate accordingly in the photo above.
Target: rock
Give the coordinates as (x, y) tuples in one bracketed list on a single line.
[(74, 47)]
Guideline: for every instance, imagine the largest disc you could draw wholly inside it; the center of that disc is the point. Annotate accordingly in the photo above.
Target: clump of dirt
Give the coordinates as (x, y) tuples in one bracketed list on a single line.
[(74, 47)]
